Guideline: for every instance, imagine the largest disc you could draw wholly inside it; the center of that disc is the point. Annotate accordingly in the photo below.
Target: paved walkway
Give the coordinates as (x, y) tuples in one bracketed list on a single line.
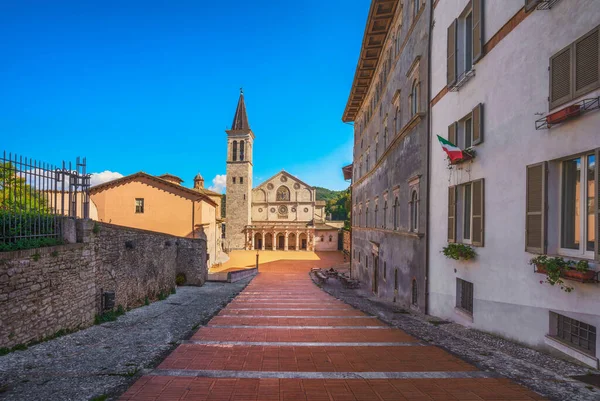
[(283, 338)]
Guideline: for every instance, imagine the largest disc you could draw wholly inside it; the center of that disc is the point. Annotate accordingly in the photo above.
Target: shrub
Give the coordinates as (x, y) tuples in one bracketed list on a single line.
[(109, 316), (180, 279), (458, 251)]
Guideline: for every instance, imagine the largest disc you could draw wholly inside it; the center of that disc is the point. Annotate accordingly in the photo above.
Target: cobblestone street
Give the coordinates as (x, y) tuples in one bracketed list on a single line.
[(283, 338)]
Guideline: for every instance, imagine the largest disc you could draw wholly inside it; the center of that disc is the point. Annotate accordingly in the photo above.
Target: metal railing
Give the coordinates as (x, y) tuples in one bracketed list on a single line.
[(34, 196)]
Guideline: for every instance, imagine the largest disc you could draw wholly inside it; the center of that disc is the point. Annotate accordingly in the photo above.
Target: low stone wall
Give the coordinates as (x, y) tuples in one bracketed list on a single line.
[(57, 288)]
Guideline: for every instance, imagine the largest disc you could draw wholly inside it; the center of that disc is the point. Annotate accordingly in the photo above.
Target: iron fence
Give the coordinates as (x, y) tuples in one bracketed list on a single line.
[(34, 196)]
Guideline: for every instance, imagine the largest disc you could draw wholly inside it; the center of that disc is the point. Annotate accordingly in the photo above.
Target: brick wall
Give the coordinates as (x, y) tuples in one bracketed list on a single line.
[(48, 289), (346, 240)]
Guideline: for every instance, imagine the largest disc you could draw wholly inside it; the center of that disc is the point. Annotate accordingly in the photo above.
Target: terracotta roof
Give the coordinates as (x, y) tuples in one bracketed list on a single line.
[(170, 176), (347, 171), (381, 15), (240, 120), (325, 226), (208, 192), (169, 186)]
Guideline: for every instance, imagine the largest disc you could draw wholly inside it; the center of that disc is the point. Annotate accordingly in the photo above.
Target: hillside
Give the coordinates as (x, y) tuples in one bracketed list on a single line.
[(327, 194)]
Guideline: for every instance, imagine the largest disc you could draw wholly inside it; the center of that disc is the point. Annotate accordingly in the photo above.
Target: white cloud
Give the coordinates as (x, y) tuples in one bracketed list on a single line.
[(219, 183), (105, 176)]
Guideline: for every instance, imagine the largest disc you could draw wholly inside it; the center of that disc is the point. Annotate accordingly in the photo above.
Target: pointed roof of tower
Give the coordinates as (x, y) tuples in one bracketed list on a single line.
[(240, 120)]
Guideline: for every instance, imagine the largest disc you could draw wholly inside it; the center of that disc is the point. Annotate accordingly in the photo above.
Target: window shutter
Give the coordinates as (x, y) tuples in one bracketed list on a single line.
[(478, 203), (452, 214), (530, 4), (597, 203), (477, 30), (535, 220), (452, 133), (451, 54), (560, 78), (587, 64), (478, 124)]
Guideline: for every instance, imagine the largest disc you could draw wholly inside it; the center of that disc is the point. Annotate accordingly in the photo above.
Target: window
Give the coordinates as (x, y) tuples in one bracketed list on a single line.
[(575, 71), (385, 135), (139, 205), (235, 149), (322, 238), (384, 222), (396, 120), (414, 292), (465, 213), (396, 213), (376, 213), (414, 98), (465, 43), (367, 160), (578, 210), (464, 295), (414, 212), (242, 150), (233, 180), (416, 7), (241, 180), (579, 334), (359, 217), (396, 279), (468, 131), (283, 194), (367, 217), (330, 238), (376, 148)]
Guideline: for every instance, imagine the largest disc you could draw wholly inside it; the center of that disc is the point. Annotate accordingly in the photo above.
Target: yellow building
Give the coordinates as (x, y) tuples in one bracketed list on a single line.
[(162, 204)]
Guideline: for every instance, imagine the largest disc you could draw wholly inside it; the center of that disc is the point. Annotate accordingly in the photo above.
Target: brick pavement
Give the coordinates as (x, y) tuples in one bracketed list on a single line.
[(283, 338)]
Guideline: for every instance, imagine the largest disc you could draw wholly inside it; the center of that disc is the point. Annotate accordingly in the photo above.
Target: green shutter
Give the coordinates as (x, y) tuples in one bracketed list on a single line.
[(452, 214), (477, 124), (535, 213), (477, 37), (451, 54), (478, 208)]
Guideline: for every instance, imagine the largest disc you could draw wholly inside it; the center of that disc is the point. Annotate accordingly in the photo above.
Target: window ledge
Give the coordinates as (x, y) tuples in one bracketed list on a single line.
[(571, 351), (462, 80), (463, 314)]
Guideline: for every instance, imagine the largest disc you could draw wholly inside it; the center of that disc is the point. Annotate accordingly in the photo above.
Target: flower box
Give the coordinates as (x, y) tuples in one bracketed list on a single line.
[(572, 274), (468, 154), (563, 115)]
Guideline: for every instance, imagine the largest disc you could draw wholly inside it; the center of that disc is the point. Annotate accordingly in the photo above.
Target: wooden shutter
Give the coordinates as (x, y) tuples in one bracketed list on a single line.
[(452, 133), (560, 78), (535, 213), (451, 54), (452, 214), (530, 4), (477, 124), (586, 53), (477, 207), (477, 37), (597, 202)]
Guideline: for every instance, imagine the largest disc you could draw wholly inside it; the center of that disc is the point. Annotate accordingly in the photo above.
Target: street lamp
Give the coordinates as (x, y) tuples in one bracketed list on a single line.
[(257, 258)]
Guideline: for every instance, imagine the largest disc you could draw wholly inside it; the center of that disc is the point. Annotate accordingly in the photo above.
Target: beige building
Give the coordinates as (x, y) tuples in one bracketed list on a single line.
[(161, 204), (281, 213)]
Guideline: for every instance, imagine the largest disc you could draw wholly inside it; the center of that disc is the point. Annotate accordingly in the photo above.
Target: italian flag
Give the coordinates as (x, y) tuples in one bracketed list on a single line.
[(453, 151)]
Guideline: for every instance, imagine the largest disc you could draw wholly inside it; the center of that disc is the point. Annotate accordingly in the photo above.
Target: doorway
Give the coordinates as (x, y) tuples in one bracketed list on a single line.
[(281, 242), (258, 241), (375, 274)]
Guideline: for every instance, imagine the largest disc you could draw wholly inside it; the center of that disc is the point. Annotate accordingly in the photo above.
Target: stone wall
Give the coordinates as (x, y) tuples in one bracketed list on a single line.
[(346, 234), (49, 289)]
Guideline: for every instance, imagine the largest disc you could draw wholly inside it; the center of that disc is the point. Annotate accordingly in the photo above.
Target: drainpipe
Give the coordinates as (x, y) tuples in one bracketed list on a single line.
[(427, 156)]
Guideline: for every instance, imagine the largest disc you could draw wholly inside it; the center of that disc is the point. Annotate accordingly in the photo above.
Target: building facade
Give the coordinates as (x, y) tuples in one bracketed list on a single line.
[(388, 105), (162, 204), (279, 214), (502, 75)]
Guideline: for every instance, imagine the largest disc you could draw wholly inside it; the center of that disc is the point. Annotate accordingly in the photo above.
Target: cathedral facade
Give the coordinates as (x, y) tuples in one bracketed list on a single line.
[(280, 213)]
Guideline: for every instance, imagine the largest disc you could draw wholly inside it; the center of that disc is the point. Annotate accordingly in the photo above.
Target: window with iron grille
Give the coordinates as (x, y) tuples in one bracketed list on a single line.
[(415, 293), (139, 205), (580, 335), (464, 295)]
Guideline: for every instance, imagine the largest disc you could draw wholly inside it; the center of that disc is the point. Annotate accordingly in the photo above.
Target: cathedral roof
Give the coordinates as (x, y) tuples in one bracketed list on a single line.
[(240, 120)]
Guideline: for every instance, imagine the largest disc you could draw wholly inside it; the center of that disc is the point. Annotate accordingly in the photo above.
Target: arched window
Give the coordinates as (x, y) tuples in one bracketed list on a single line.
[(414, 212), (376, 210), (242, 150), (367, 217), (322, 238), (283, 193), (396, 213), (384, 270), (330, 238), (417, 5), (414, 292), (396, 279), (385, 131), (359, 217), (414, 98), (384, 222), (235, 151)]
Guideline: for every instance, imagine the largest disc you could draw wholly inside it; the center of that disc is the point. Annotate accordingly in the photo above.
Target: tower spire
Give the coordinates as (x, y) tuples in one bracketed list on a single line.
[(240, 120)]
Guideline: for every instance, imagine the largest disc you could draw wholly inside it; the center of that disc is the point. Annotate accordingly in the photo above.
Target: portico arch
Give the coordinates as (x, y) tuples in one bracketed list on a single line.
[(280, 241), (268, 241), (292, 242), (303, 241), (258, 241)]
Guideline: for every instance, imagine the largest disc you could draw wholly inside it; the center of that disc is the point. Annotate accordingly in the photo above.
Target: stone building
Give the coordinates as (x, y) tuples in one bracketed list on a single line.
[(162, 204), (518, 82), (279, 214), (388, 106)]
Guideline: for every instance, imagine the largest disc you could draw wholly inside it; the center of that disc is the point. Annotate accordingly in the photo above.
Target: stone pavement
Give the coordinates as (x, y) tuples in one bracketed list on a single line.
[(283, 338)]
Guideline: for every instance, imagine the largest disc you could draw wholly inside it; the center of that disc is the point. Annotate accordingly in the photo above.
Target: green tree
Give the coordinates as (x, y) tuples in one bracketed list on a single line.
[(16, 194)]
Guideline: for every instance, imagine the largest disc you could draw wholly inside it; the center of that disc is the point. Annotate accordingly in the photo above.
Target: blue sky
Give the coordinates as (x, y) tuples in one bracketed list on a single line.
[(152, 85)]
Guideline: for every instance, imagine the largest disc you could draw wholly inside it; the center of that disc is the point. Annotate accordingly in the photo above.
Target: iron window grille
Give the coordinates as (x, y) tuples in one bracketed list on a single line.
[(580, 335), (464, 295), (415, 294)]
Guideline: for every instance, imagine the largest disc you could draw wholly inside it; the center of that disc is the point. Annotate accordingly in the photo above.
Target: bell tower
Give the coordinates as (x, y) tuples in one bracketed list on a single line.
[(240, 141)]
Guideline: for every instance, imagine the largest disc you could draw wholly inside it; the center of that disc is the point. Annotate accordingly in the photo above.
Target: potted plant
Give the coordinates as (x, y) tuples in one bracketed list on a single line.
[(458, 251), (557, 268)]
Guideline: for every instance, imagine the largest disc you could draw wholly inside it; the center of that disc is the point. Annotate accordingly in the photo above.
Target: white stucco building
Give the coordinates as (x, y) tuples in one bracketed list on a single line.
[(497, 67)]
